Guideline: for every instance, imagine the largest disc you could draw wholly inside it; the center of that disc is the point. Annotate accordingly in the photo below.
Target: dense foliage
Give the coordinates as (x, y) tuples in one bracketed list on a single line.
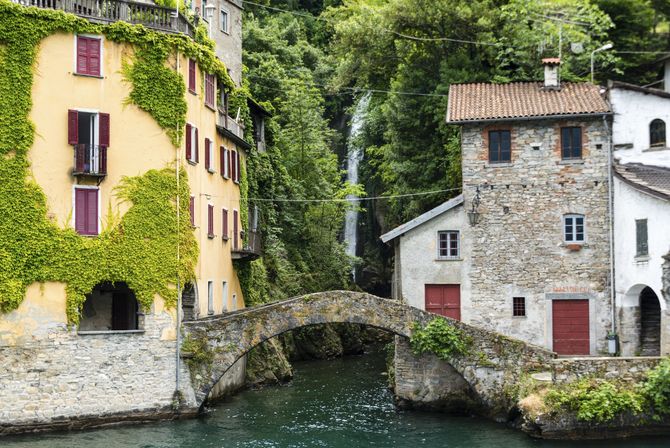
[(441, 338), (329, 48)]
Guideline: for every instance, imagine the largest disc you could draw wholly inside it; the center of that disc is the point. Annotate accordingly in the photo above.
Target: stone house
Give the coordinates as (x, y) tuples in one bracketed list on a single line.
[(525, 249), (108, 358), (641, 195)]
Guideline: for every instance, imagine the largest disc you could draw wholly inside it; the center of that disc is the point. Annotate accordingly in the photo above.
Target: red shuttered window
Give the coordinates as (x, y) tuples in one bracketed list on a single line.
[(208, 155), (229, 164), (224, 224), (237, 167), (86, 211), (191, 139), (88, 56), (191, 75), (210, 221), (233, 165), (236, 236), (210, 90), (189, 142), (222, 160), (191, 209)]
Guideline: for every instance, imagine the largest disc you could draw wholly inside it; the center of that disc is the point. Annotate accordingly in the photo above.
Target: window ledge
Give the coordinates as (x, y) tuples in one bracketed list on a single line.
[(210, 107), (225, 237), (575, 246), (102, 332), (449, 259), (571, 162), (499, 164), (642, 258), (211, 171), (192, 92), (519, 317), (211, 236), (192, 162), (84, 75)]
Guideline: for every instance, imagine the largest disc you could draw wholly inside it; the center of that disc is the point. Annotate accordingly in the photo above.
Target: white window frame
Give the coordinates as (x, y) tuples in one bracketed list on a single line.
[(210, 206), (458, 245), (573, 224), (210, 297), (211, 156), (226, 165), (224, 296), (74, 208), (233, 305), (194, 142), (102, 56), (225, 29)]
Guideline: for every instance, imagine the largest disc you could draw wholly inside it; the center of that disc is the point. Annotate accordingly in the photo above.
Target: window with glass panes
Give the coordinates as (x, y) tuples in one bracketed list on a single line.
[(500, 146), (448, 244), (573, 228), (519, 306), (571, 143)]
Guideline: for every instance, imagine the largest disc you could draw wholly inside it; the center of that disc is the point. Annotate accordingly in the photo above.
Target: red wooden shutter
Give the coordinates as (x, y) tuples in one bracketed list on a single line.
[(210, 220), (191, 75), (224, 223), (232, 165), (86, 211), (82, 55), (235, 229), (80, 210), (72, 127), (229, 155), (94, 56), (207, 153), (91, 212), (222, 160), (188, 139), (196, 149), (191, 209), (103, 160), (104, 129)]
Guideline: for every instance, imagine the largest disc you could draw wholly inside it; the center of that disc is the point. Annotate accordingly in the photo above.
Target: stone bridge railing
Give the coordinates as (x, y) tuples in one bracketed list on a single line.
[(492, 368)]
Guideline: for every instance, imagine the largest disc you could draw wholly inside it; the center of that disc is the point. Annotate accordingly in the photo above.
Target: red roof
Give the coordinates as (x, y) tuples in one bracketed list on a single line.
[(492, 102)]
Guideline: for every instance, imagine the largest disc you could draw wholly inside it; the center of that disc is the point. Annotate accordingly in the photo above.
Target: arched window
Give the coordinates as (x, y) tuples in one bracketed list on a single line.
[(657, 133)]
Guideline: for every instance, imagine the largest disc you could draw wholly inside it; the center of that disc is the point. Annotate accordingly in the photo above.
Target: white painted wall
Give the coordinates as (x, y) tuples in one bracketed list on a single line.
[(633, 111), (420, 263)]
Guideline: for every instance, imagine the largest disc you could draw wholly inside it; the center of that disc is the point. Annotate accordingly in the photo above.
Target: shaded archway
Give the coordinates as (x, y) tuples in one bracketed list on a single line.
[(110, 307), (189, 301), (650, 323), (221, 340)]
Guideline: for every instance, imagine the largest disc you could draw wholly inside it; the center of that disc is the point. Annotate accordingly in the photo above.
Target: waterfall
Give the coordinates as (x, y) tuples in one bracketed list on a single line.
[(354, 156)]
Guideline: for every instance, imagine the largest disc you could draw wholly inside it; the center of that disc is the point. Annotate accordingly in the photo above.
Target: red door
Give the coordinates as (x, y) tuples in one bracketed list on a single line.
[(570, 319), (444, 300)]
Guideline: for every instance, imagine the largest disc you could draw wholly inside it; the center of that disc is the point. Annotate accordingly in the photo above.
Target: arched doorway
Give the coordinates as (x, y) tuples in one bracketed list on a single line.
[(189, 300), (110, 307), (650, 323)]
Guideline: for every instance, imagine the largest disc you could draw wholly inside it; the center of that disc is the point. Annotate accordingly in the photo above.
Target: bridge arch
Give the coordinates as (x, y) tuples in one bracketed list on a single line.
[(495, 361)]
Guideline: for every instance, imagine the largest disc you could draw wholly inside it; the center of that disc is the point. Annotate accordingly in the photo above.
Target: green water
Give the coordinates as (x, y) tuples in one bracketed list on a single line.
[(341, 403)]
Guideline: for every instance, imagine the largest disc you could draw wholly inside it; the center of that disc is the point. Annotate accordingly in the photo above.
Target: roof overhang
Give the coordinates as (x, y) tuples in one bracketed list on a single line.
[(421, 219), (532, 118), (634, 88), (229, 135)]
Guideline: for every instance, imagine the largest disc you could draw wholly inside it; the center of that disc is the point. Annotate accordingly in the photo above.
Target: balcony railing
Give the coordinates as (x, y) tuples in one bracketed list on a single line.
[(147, 14), (231, 124), (90, 160), (251, 248)]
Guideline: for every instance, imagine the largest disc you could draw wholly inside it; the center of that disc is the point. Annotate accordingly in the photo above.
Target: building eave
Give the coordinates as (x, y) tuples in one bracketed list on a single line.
[(231, 136), (641, 188), (421, 219), (532, 118), (634, 88)]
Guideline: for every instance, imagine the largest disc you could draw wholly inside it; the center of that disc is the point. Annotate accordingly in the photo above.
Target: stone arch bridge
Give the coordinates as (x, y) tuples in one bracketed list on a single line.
[(491, 369)]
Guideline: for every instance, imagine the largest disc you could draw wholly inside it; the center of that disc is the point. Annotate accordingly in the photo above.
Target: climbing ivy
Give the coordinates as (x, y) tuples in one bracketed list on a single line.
[(139, 248)]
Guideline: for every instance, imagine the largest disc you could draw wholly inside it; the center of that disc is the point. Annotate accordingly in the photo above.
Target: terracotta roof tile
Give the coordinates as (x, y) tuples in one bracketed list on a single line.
[(489, 102)]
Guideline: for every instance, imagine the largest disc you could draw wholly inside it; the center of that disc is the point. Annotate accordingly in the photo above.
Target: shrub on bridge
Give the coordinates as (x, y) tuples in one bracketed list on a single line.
[(441, 338), (657, 388)]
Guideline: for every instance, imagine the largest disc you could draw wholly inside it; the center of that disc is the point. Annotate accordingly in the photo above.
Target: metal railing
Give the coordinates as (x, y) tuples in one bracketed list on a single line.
[(147, 14), (231, 124), (90, 160)]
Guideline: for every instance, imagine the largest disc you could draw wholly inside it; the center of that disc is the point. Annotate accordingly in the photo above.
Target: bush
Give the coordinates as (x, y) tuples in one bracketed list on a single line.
[(441, 338), (657, 387)]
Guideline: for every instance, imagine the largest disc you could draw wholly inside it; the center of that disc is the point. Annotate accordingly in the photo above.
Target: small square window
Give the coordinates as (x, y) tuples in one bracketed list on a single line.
[(518, 306), (88, 55), (448, 244)]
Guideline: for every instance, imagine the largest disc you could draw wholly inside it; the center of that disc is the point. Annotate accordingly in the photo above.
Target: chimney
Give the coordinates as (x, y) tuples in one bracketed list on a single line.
[(551, 80), (666, 78)]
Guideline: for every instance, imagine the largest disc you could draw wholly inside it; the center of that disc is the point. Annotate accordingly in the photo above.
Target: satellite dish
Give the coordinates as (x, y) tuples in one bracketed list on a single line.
[(577, 47)]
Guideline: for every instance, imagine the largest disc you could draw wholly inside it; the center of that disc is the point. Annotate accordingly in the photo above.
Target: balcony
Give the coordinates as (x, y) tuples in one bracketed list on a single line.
[(90, 161), (105, 11), (232, 129), (251, 249)]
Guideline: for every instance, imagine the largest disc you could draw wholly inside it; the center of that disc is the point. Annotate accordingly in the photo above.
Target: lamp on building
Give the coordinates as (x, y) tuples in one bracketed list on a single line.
[(603, 48), (473, 214), (209, 13)]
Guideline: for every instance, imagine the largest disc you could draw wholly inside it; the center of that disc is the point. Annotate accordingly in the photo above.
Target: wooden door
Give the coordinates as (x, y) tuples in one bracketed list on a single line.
[(444, 300), (570, 319)]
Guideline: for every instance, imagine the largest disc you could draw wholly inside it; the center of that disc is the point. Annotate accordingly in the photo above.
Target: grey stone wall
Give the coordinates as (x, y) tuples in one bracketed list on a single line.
[(567, 370), (63, 380), (518, 247)]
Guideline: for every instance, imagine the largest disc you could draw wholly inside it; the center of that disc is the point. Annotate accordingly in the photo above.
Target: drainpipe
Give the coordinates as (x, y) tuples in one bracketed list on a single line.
[(178, 347), (611, 220)]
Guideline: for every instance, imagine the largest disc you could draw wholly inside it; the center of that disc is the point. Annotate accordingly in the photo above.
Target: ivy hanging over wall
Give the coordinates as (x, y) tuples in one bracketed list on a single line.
[(140, 247)]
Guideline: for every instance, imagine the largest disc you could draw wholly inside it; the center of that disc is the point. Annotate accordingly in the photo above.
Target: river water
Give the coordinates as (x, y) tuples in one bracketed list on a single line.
[(341, 404)]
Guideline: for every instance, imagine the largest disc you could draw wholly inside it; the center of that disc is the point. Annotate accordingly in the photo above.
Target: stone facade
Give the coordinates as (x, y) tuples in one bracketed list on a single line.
[(518, 247), (568, 370)]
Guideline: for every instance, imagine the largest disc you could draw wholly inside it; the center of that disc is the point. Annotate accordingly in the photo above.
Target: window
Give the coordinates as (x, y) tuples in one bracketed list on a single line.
[(224, 21), (232, 158), (448, 244), (224, 224), (233, 304), (224, 295), (88, 56), (191, 139), (86, 211), (209, 165), (573, 226), (518, 306), (571, 143), (223, 152), (210, 297), (210, 221), (191, 76), (88, 133), (191, 209), (657, 133), (500, 146), (641, 237), (210, 90)]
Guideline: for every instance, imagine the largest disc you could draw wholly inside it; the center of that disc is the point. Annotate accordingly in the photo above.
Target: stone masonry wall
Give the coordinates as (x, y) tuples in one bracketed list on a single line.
[(62, 380), (518, 247), (625, 369)]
